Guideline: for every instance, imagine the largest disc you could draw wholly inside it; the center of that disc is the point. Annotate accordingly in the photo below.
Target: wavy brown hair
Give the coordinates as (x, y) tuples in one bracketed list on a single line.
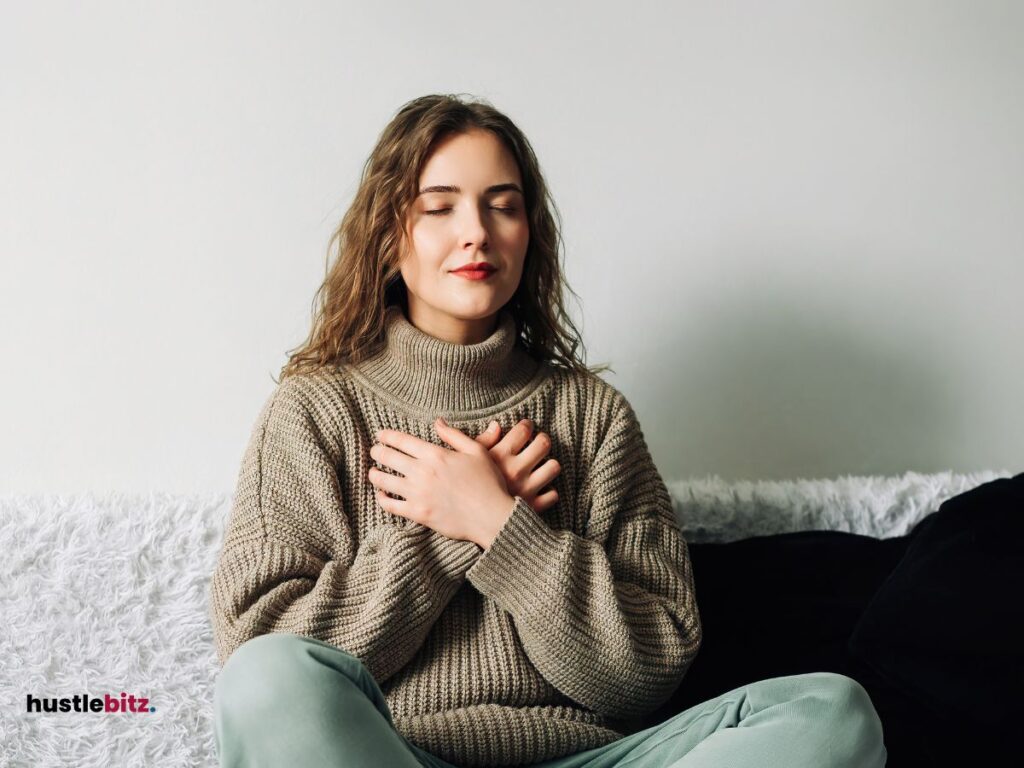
[(365, 279)]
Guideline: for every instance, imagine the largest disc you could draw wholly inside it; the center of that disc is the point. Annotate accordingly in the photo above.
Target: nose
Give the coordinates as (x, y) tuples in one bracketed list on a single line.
[(473, 230)]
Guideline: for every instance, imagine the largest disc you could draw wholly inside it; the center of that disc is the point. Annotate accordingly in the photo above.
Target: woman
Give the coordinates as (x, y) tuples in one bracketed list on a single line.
[(395, 591)]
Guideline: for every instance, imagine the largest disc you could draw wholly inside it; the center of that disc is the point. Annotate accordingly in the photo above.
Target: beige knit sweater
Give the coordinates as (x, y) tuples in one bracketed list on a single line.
[(573, 624)]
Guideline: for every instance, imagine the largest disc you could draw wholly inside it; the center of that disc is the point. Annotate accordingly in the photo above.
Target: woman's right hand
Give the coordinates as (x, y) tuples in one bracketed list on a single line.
[(517, 464)]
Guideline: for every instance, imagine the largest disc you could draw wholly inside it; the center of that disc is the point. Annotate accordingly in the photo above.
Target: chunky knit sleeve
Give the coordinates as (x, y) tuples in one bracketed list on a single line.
[(289, 562), (609, 618)]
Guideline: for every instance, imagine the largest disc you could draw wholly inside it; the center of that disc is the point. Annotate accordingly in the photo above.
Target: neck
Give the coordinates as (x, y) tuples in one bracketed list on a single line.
[(430, 376), (450, 329)]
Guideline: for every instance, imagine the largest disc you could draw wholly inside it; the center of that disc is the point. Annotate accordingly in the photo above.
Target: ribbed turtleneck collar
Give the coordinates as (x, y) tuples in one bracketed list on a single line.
[(425, 374)]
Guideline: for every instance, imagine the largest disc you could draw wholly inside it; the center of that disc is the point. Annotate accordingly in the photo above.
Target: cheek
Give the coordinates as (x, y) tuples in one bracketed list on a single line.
[(427, 258), (516, 275), (517, 233), (517, 249), (431, 243)]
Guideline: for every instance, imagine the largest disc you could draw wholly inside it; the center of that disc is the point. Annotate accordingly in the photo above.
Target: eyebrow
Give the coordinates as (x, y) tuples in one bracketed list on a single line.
[(494, 188)]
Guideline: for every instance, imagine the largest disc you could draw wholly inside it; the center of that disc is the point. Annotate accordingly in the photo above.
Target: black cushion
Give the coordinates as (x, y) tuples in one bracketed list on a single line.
[(778, 605), (929, 623), (945, 631)]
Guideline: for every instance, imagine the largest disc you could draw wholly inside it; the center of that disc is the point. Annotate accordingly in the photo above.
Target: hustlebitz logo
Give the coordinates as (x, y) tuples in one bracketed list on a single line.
[(128, 703)]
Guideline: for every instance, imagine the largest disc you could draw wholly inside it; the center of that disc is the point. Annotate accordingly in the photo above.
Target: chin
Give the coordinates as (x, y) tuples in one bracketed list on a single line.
[(470, 315), (476, 310)]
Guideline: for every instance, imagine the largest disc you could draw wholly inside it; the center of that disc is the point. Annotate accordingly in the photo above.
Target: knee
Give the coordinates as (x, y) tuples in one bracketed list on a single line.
[(854, 719), (846, 694), (258, 671), (266, 671)]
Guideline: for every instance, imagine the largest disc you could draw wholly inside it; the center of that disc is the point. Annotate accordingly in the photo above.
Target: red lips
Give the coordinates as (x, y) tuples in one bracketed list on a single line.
[(480, 265)]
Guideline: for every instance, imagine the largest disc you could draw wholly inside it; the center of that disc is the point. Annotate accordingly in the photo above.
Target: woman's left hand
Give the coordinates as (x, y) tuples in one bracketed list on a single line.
[(460, 494)]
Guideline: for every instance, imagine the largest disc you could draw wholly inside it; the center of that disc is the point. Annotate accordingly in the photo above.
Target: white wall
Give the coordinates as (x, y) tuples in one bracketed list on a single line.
[(795, 227)]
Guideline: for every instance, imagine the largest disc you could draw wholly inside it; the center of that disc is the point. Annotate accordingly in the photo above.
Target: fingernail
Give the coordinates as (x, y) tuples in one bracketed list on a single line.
[(492, 425)]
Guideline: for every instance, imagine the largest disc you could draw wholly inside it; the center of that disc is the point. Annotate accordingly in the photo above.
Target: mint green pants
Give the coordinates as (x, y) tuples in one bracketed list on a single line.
[(284, 700)]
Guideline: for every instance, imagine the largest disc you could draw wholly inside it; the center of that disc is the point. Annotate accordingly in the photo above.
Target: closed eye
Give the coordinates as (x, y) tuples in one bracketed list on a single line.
[(440, 211)]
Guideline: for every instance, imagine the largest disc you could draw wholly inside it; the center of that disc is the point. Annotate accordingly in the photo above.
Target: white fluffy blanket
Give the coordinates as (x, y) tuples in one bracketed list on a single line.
[(104, 594)]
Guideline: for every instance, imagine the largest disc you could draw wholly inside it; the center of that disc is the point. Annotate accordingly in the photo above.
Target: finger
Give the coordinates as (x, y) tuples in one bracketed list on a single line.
[(545, 500), (456, 438), (489, 437), (534, 453), (517, 437), (394, 506), (406, 443), (547, 471), (543, 475), (385, 481), (389, 457)]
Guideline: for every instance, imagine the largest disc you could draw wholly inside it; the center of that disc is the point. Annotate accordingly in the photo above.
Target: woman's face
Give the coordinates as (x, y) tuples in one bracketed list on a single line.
[(470, 209)]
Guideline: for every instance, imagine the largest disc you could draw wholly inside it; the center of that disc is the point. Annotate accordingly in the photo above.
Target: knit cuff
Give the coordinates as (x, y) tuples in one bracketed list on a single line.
[(512, 569), (453, 556)]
